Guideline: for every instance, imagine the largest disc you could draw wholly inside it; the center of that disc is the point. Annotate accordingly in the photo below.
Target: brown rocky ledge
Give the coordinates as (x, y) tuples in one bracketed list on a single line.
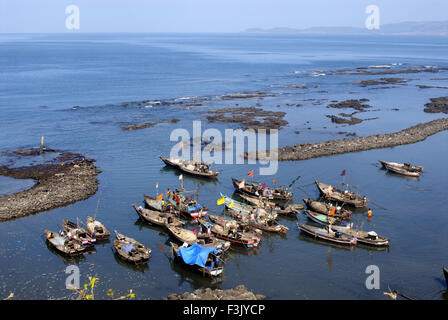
[(148, 124), (67, 179), (315, 150), (238, 293)]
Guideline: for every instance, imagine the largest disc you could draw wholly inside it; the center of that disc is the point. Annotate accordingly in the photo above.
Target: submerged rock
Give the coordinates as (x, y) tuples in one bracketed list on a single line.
[(437, 105)]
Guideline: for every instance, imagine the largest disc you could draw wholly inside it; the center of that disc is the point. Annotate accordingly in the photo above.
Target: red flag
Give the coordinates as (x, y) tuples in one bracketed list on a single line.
[(251, 173), (263, 186), (343, 173)]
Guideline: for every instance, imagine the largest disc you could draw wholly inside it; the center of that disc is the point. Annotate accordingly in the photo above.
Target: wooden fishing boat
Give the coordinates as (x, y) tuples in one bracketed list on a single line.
[(158, 205), (239, 209), (238, 225), (207, 239), (130, 250), (407, 165), (339, 196), (156, 217), (181, 234), (326, 220), (327, 234), (233, 236), (76, 232), (445, 273), (187, 206), (325, 208), (96, 229), (279, 208), (192, 167), (188, 257), (63, 245), (402, 168), (369, 238), (256, 189), (269, 226)]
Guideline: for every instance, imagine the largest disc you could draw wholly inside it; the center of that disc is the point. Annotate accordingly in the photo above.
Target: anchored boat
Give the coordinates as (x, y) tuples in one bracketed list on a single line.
[(405, 169), (63, 244), (130, 250), (327, 234), (96, 229), (192, 167), (206, 260), (257, 189), (333, 194)]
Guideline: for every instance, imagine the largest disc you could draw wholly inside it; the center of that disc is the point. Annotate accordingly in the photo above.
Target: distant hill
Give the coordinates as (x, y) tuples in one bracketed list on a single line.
[(402, 28)]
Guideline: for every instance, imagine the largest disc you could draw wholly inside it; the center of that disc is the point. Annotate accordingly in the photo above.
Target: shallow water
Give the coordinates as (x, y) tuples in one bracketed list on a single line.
[(44, 76)]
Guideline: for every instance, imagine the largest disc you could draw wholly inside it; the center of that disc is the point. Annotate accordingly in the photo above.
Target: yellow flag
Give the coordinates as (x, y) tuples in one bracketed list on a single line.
[(231, 204), (220, 201)]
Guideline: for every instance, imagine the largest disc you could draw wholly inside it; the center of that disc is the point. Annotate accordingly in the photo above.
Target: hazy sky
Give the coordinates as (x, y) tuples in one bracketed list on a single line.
[(208, 15)]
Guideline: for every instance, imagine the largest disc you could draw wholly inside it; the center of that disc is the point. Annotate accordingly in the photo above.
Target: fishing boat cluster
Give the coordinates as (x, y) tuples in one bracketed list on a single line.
[(200, 239)]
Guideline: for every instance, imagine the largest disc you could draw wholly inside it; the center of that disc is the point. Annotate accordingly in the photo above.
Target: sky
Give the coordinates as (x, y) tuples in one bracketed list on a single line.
[(40, 16)]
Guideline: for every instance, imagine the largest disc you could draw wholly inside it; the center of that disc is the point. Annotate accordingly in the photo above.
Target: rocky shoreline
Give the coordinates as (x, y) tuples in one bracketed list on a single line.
[(67, 179), (315, 150), (238, 293)]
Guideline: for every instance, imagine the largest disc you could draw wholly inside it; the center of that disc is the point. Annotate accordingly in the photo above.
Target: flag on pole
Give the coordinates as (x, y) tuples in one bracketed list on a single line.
[(332, 212), (231, 204), (251, 173), (343, 173), (160, 197), (181, 177), (220, 201)]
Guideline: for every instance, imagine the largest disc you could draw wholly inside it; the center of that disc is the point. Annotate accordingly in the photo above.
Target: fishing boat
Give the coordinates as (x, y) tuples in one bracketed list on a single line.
[(185, 205), (158, 205), (239, 209), (207, 239), (63, 245), (327, 234), (280, 208), (238, 225), (326, 220), (206, 260), (156, 217), (405, 169), (445, 273), (339, 196), (257, 189), (181, 234), (192, 167), (326, 207), (232, 235), (96, 229), (365, 237), (76, 232), (130, 250)]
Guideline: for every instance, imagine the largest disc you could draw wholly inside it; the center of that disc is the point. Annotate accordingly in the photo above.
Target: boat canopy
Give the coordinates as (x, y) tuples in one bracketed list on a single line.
[(196, 254)]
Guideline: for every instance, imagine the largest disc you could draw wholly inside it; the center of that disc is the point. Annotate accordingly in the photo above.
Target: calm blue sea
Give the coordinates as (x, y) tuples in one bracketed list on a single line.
[(78, 90)]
